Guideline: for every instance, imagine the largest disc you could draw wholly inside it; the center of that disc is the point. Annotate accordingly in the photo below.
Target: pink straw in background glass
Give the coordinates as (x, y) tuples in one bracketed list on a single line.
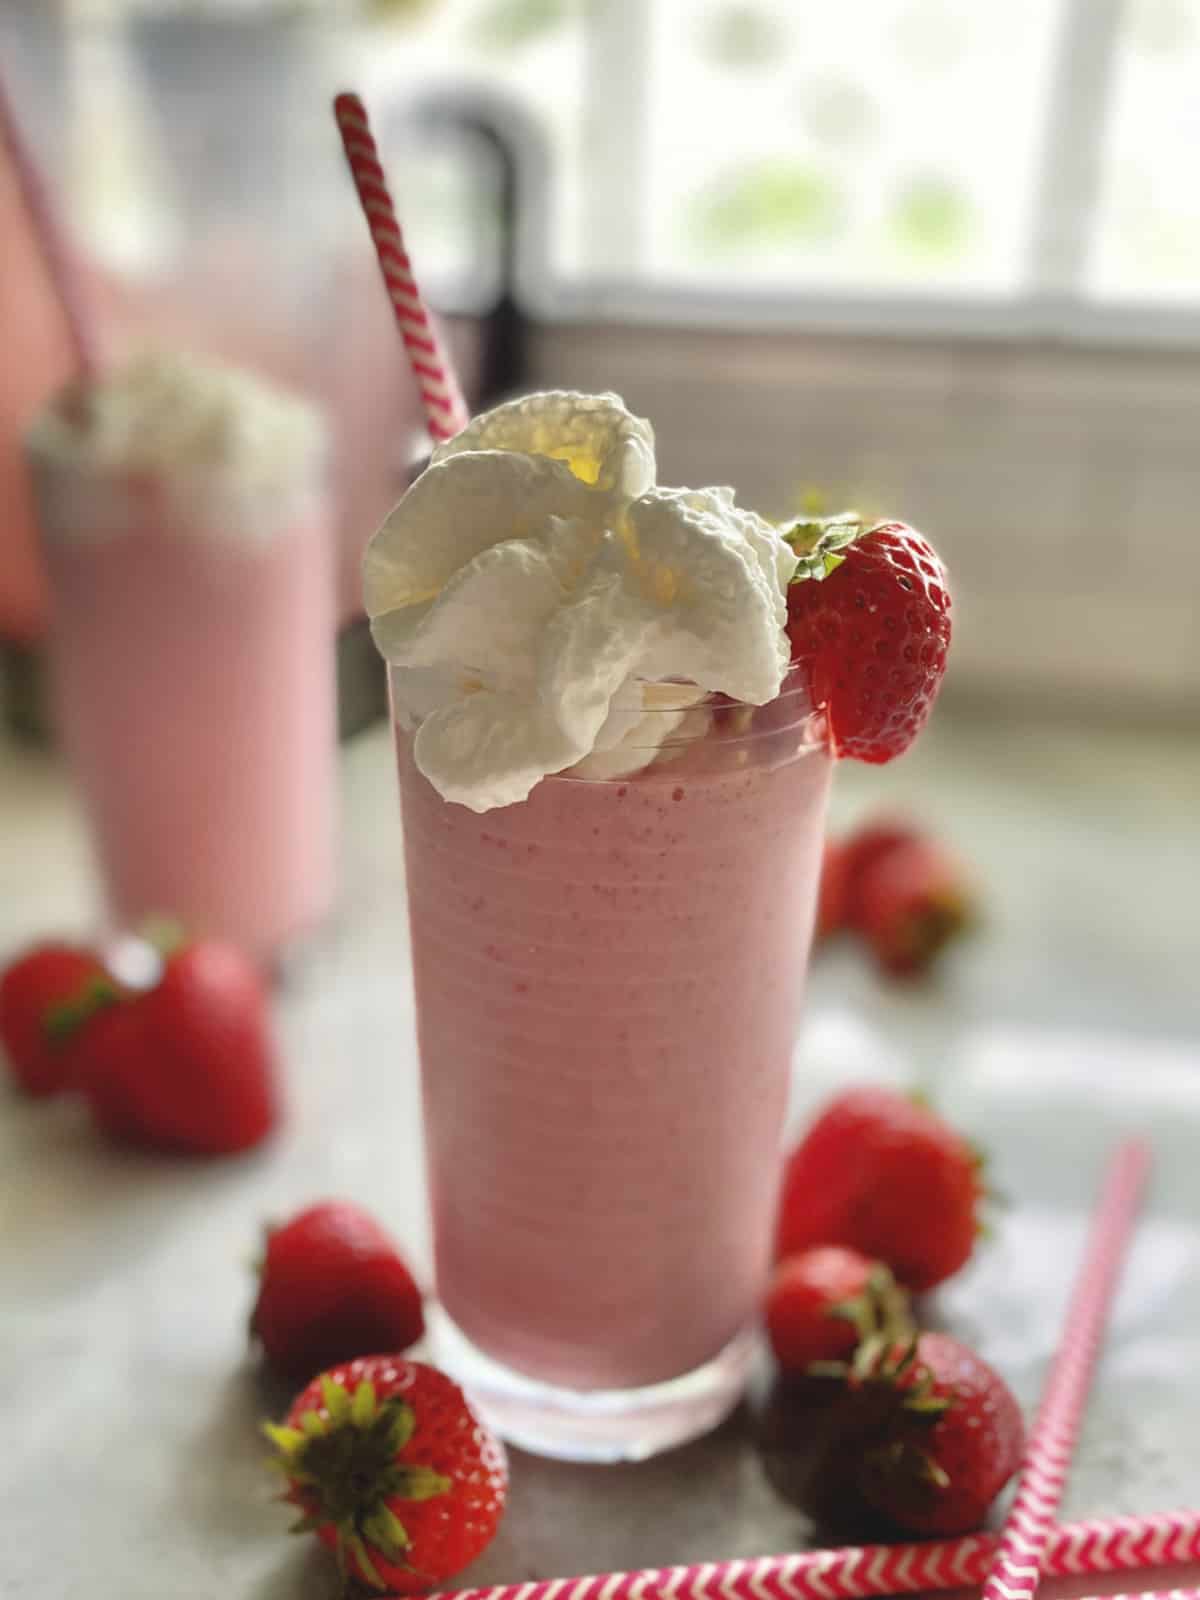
[(863, 1572), (445, 411), (1016, 1566), (61, 272)]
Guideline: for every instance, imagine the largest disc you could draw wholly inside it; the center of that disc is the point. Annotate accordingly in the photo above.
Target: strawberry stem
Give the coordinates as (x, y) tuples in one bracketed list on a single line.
[(346, 1472), (62, 1021), (164, 934), (819, 541)]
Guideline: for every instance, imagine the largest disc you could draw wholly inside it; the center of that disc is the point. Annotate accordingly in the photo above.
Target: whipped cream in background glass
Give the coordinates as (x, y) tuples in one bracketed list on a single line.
[(551, 609), (223, 453)]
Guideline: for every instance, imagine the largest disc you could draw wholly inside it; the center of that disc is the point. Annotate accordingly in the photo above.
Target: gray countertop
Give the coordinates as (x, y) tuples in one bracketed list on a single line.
[(133, 1465)]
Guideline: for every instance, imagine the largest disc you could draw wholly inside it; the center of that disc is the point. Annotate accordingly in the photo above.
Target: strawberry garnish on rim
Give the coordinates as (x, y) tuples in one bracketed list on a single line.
[(869, 624)]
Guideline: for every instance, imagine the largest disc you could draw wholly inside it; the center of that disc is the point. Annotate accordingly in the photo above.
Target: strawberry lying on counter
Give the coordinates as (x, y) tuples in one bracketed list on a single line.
[(888, 1426), (880, 1173), (38, 993), (332, 1286), (392, 1469), (917, 1436), (822, 1302), (184, 1062), (954, 1439), (899, 890)]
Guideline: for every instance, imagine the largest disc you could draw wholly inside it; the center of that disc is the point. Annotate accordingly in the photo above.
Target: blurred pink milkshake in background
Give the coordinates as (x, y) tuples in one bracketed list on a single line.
[(183, 508)]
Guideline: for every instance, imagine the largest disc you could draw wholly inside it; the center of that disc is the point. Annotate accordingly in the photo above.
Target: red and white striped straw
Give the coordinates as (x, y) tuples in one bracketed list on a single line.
[(445, 412), (1017, 1564), (862, 1572), (1152, 1594), (61, 271)]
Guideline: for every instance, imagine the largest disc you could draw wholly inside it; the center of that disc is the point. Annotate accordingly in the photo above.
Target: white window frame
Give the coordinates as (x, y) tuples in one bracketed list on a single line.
[(1053, 306)]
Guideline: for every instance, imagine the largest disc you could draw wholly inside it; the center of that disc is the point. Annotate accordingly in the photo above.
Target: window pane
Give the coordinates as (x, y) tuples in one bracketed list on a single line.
[(524, 52), (865, 145), (1147, 239)]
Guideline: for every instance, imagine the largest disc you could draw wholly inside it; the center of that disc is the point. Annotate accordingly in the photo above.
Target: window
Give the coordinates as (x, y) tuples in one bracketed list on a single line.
[(983, 164), (1146, 243), (1007, 165), (880, 143)]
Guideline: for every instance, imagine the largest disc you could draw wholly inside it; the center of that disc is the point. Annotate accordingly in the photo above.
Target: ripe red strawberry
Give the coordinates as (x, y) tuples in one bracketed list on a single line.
[(111, 1053), (951, 1446), (38, 993), (885, 1176), (393, 1470), (831, 895), (188, 1064), (333, 1286), (865, 847), (821, 1302), (869, 622), (910, 904)]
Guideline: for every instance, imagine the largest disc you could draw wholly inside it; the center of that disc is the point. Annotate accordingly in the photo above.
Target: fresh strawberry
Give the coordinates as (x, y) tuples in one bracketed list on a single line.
[(955, 1440), (864, 848), (914, 901), (869, 623), (188, 1064), (333, 1286), (111, 1052), (392, 1469), (40, 993), (831, 896), (885, 1176), (821, 1302)]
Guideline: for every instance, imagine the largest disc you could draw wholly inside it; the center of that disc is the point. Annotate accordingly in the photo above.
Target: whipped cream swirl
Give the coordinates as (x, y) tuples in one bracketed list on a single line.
[(549, 605)]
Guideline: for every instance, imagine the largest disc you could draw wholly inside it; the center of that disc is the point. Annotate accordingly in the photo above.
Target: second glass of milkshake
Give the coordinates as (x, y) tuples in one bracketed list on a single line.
[(613, 797), (184, 519)]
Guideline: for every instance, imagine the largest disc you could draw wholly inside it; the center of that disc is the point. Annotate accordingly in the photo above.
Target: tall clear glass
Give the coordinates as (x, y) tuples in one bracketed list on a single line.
[(192, 670), (608, 979)]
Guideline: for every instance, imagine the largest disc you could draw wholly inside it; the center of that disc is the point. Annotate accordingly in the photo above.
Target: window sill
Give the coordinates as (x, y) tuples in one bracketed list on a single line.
[(1043, 318)]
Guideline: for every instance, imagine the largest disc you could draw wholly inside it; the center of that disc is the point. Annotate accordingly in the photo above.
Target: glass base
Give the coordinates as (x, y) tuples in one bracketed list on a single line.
[(595, 1424)]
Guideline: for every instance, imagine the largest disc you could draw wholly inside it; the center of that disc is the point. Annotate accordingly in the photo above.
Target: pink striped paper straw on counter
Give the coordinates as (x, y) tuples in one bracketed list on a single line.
[(1152, 1594), (861, 1572), (1016, 1566), (445, 411)]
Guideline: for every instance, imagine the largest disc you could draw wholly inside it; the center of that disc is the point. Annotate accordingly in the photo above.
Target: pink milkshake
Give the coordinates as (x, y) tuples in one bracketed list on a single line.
[(613, 802), (613, 778), (185, 535), (608, 978)]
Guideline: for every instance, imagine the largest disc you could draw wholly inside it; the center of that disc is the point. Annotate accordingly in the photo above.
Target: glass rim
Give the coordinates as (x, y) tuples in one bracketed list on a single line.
[(740, 728)]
